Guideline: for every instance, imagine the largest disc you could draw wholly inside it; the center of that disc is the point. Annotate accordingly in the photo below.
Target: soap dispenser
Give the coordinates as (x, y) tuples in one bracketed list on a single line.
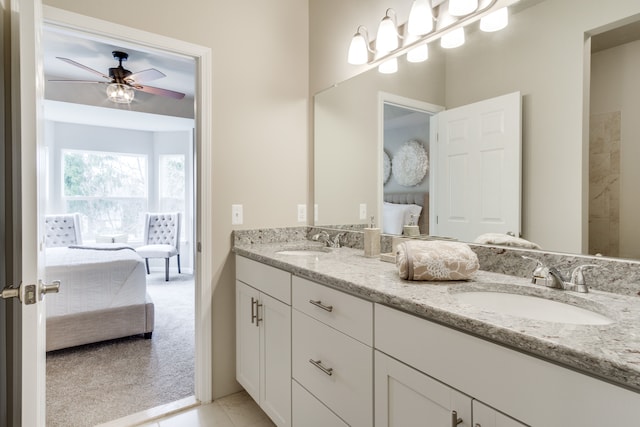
[(371, 240)]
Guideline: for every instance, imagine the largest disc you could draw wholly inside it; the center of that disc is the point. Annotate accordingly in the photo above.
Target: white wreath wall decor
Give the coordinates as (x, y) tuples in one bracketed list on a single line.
[(410, 164), (386, 167)]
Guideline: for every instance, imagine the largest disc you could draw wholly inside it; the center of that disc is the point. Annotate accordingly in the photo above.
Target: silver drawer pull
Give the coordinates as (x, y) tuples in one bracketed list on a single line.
[(454, 419), (319, 303), (318, 364)]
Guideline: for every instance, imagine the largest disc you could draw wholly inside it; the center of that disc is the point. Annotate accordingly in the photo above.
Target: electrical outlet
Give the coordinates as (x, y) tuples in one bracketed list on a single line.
[(236, 215), (363, 211), (302, 213)]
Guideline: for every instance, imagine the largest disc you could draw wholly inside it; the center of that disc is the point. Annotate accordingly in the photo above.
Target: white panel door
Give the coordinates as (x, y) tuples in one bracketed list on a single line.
[(274, 318), (476, 156), (24, 97), (405, 397), (247, 339)]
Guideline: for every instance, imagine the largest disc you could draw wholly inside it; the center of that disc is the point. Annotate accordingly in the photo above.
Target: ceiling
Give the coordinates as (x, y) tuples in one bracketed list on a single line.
[(97, 54), (616, 37)]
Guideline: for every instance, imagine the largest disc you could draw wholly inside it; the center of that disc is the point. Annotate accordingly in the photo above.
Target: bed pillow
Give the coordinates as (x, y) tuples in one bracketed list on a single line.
[(393, 218)]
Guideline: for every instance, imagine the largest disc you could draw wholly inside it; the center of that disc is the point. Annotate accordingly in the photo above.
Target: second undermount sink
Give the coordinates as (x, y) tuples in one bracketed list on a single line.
[(532, 307)]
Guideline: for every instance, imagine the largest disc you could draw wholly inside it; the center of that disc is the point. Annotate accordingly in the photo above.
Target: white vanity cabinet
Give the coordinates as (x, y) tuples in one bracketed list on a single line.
[(405, 397), (527, 389), (263, 337), (332, 356)]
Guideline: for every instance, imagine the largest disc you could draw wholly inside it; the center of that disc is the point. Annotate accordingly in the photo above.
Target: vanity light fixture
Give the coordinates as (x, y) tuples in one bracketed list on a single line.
[(420, 18), (359, 48), (389, 66), (462, 7), (453, 39), (387, 38), (495, 21), (445, 21), (418, 54)]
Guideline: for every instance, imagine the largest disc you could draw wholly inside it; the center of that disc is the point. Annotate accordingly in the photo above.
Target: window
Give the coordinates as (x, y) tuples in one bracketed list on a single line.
[(109, 190), (171, 185)]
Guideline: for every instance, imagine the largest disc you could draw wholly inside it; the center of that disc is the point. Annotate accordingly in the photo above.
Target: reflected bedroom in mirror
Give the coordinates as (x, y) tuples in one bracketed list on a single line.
[(396, 147)]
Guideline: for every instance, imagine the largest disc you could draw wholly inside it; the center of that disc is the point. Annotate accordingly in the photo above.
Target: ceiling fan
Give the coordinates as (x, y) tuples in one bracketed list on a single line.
[(121, 82)]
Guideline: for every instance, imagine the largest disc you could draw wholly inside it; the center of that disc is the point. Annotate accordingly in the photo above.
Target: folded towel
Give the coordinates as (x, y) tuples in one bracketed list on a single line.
[(102, 247), (505, 240), (435, 260)]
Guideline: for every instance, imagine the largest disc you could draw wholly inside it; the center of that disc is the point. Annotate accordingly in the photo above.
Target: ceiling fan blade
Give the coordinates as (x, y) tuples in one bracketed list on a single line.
[(158, 91), (84, 67), (145, 75), (75, 81)]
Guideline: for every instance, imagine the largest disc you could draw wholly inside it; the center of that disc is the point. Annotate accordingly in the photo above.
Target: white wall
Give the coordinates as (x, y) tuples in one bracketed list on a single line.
[(615, 86), (260, 136)]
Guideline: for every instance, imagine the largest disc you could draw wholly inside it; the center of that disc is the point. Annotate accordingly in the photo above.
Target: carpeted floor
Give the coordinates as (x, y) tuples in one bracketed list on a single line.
[(100, 382)]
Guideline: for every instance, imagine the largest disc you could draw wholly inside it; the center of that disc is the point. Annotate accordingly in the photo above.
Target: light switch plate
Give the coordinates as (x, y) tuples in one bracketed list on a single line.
[(363, 211), (302, 213), (236, 215)]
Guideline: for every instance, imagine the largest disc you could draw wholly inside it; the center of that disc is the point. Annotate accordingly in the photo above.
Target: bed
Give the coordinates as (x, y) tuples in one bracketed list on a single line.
[(398, 208), (103, 292)]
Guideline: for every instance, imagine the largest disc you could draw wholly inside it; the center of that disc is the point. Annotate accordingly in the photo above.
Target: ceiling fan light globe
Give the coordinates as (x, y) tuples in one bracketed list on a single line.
[(119, 93)]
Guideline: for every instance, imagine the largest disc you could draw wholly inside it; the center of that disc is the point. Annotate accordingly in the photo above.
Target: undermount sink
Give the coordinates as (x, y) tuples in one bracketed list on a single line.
[(532, 307), (305, 250)]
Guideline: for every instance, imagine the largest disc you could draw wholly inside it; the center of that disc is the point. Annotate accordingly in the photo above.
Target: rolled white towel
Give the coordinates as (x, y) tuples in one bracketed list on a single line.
[(435, 260), (505, 240)]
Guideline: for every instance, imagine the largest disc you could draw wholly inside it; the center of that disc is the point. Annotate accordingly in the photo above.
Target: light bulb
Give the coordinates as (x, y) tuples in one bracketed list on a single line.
[(453, 39), (387, 37), (388, 67), (358, 50), (462, 7), (418, 54), (495, 21), (420, 18)]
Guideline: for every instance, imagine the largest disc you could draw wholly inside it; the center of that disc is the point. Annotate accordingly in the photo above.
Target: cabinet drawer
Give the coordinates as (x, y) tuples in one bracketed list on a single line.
[(349, 314), (346, 384), (267, 279), (310, 412)]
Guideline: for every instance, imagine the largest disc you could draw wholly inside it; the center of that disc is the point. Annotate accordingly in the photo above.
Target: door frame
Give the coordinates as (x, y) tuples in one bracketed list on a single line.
[(203, 182), (409, 104)]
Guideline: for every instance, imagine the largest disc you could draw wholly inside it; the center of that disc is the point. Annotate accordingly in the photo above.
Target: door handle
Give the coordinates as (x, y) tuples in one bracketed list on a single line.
[(53, 288), (30, 294)]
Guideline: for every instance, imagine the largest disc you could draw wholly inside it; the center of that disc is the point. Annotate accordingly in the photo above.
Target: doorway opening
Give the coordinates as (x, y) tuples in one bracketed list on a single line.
[(170, 155)]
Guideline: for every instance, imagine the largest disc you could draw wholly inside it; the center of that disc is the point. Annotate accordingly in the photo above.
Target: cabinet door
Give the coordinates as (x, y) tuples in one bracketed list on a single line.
[(310, 412), (405, 397), (485, 416), (274, 318), (247, 340)]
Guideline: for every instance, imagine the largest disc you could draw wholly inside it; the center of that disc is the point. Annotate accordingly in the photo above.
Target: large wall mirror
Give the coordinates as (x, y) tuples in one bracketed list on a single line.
[(575, 64)]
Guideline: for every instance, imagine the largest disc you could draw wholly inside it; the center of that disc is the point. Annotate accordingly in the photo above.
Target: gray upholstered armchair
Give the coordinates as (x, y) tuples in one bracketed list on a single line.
[(62, 230), (161, 239)]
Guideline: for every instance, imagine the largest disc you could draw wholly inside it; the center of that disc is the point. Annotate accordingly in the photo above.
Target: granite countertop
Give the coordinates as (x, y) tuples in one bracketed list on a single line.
[(611, 352)]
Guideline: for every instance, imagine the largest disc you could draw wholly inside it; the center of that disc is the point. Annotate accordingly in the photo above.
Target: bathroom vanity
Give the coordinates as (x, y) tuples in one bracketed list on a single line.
[(331, 338)]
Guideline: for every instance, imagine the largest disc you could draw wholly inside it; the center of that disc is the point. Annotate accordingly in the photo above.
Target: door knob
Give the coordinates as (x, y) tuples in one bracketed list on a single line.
[(10, 293), (53, 288)]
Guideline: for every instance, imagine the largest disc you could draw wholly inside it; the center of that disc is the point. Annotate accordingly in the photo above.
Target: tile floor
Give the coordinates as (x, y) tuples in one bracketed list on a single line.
[(236, 410)]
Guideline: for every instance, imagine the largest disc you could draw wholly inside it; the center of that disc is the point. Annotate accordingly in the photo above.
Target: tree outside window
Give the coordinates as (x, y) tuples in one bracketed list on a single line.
[(172, 184), (109, 190)]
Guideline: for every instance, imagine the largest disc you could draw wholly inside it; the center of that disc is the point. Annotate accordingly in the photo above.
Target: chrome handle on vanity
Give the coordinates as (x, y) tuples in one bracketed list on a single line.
[(253, 311), (454, 419), (258, 318), (319, 304), (318, 364)]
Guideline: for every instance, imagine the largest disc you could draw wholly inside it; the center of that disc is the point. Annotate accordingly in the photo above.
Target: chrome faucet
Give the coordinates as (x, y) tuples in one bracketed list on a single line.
[(323, 236), (551, 277)]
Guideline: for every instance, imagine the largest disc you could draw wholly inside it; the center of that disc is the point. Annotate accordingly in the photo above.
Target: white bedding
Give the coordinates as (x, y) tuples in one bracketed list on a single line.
[(94, 279)]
